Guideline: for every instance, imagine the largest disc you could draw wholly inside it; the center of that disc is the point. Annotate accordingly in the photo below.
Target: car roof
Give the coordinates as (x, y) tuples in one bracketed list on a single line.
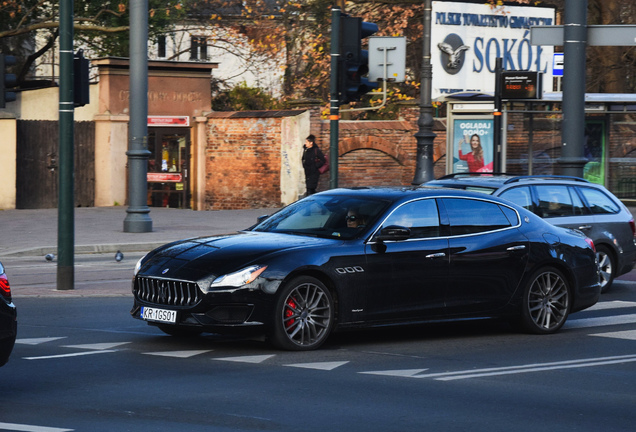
[(406, 193), (495, 180)]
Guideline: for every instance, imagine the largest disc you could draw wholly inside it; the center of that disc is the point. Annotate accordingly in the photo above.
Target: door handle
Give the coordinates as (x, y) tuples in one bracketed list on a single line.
[(436, 255), (515, 248), (585, 227)]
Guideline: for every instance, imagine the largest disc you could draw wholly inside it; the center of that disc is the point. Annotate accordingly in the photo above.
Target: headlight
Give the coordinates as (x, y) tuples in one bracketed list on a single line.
[(138, 265), (240, 277)]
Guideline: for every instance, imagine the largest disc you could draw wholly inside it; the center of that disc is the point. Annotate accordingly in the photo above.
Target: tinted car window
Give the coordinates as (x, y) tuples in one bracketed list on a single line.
[(472, 216), (512, 216), (554, 201), (520, 196), (421, 217), (599, 202)]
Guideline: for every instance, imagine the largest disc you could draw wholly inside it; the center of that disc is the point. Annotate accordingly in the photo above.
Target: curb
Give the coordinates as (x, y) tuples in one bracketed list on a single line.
[(86, 249)]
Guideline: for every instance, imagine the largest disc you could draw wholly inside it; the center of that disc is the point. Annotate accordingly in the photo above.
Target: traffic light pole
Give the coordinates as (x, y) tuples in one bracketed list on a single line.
[(334, 115), (66, 199)]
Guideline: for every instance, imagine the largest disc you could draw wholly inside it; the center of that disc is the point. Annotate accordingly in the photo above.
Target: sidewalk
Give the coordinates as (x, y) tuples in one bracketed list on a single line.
[(101, 229)]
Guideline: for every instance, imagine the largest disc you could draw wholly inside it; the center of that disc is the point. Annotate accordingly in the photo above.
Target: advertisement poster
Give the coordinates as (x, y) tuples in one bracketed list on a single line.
[(473, 145), (467, 38)]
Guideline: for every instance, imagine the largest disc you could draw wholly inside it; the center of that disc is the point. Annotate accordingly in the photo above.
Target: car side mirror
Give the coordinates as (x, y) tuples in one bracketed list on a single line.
[(261, 218), (393, 233)]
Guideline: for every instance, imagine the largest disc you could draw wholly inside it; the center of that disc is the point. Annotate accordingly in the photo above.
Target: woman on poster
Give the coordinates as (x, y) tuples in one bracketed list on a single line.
[(474, 158)]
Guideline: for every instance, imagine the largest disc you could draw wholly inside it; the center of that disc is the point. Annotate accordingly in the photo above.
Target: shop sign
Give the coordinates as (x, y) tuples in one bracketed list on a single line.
[(168, 121), (165, 177)]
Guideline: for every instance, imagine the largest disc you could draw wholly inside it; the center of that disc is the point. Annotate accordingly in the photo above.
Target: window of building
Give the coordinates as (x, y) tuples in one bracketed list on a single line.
[(198, 48)]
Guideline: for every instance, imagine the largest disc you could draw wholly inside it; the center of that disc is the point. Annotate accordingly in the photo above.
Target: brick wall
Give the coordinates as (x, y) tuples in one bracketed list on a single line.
[(243, 155)]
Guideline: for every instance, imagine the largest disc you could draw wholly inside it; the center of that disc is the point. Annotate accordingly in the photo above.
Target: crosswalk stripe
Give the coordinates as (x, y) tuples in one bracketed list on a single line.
[(97, 346), (601, 321), (319, 365), (407, 373), (629, 334), (178, 354), (616, 304), (37, 341), (30, 428), (246, 359), (69, 355)]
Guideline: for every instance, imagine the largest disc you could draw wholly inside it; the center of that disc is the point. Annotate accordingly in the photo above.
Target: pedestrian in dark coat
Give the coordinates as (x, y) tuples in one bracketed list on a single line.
[(313, 158)]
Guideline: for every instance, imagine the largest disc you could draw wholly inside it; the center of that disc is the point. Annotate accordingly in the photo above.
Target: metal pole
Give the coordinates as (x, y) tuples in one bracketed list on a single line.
[(572, 157), (425, 136), (138, 218), (66, 200), (334, 115), (497, 117)]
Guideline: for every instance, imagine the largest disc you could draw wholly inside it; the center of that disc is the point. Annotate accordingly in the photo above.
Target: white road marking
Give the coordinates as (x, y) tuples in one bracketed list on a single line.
[(601, 321), (30, 428), (628, 334), (246, 359), (616, 304), (319, 365), (97, 346), (37, 341), (69, 355), (397, 373), (510, 370), (178, 354)]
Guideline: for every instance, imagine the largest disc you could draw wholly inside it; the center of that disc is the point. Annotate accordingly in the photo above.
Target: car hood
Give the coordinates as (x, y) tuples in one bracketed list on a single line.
[(205, 257)]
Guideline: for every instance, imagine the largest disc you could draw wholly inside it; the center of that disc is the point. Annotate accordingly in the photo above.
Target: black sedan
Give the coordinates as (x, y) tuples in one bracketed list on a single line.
[(8, 319), (351, 258)]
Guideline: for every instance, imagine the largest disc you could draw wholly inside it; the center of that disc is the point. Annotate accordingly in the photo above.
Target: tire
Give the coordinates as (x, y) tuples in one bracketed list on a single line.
[(303, 315), (607, 267), (546, 302), (177, 331)]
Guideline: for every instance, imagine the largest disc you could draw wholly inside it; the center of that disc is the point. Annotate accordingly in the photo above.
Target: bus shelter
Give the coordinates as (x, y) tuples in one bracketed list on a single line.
[(531, 137)]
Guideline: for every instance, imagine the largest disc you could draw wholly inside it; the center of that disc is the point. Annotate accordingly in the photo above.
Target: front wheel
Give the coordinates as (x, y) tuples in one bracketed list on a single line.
[(303, 316), (546, 302)]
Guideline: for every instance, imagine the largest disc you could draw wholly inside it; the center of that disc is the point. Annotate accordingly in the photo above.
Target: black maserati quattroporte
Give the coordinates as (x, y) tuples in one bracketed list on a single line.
[(351, 258)]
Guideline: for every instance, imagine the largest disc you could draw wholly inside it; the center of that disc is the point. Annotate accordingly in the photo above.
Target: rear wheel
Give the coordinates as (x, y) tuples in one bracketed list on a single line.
[(546, 302), (304, 315), (606, 266)]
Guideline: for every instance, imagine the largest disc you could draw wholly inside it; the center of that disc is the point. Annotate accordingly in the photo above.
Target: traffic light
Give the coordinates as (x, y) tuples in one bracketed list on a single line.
[(354, 63), (7, 80)]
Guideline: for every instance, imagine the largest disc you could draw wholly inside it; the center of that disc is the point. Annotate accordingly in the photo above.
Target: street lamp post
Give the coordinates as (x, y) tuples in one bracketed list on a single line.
[(138, 219), (425, 135)]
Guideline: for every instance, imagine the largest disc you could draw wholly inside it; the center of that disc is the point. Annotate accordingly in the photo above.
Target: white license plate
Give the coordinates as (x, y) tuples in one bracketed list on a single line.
[(161, 315)]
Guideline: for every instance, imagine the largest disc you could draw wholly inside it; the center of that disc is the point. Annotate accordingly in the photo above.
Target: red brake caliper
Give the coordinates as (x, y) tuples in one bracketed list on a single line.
[(289, 312)]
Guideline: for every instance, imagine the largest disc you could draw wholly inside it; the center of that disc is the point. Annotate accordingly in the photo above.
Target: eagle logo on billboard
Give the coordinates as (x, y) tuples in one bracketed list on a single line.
[(452, 53)]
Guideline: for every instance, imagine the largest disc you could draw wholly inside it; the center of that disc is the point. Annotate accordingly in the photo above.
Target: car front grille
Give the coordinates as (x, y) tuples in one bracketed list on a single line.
[(167, 292)]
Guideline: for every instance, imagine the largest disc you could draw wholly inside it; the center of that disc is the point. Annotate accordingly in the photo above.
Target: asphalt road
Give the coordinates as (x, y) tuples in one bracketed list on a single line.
[(83, 364)]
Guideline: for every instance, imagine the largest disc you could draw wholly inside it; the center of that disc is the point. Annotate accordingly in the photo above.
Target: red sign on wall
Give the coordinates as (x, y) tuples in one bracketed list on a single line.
[(168, 121), (165, 177)]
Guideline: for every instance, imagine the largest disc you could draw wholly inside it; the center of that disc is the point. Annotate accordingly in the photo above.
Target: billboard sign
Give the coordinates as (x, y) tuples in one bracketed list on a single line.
[(467, 38)]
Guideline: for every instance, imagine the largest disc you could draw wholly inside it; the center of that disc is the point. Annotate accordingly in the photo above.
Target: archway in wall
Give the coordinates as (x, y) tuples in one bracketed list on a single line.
[(369, 167)]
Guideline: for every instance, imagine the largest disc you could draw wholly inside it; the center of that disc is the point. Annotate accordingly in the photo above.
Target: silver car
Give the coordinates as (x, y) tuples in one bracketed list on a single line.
[(570, 202)]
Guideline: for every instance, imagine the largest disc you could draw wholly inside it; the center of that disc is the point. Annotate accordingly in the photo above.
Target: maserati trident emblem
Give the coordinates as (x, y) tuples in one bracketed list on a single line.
[(163, 291), (452, 49)]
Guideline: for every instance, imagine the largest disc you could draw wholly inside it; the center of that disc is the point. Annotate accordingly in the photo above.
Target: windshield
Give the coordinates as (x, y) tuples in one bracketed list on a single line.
[(325, 216)]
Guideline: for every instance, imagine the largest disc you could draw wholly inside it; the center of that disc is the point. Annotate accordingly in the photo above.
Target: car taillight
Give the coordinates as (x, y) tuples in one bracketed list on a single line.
[(5, 288), (633, 227), (591, 243)]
